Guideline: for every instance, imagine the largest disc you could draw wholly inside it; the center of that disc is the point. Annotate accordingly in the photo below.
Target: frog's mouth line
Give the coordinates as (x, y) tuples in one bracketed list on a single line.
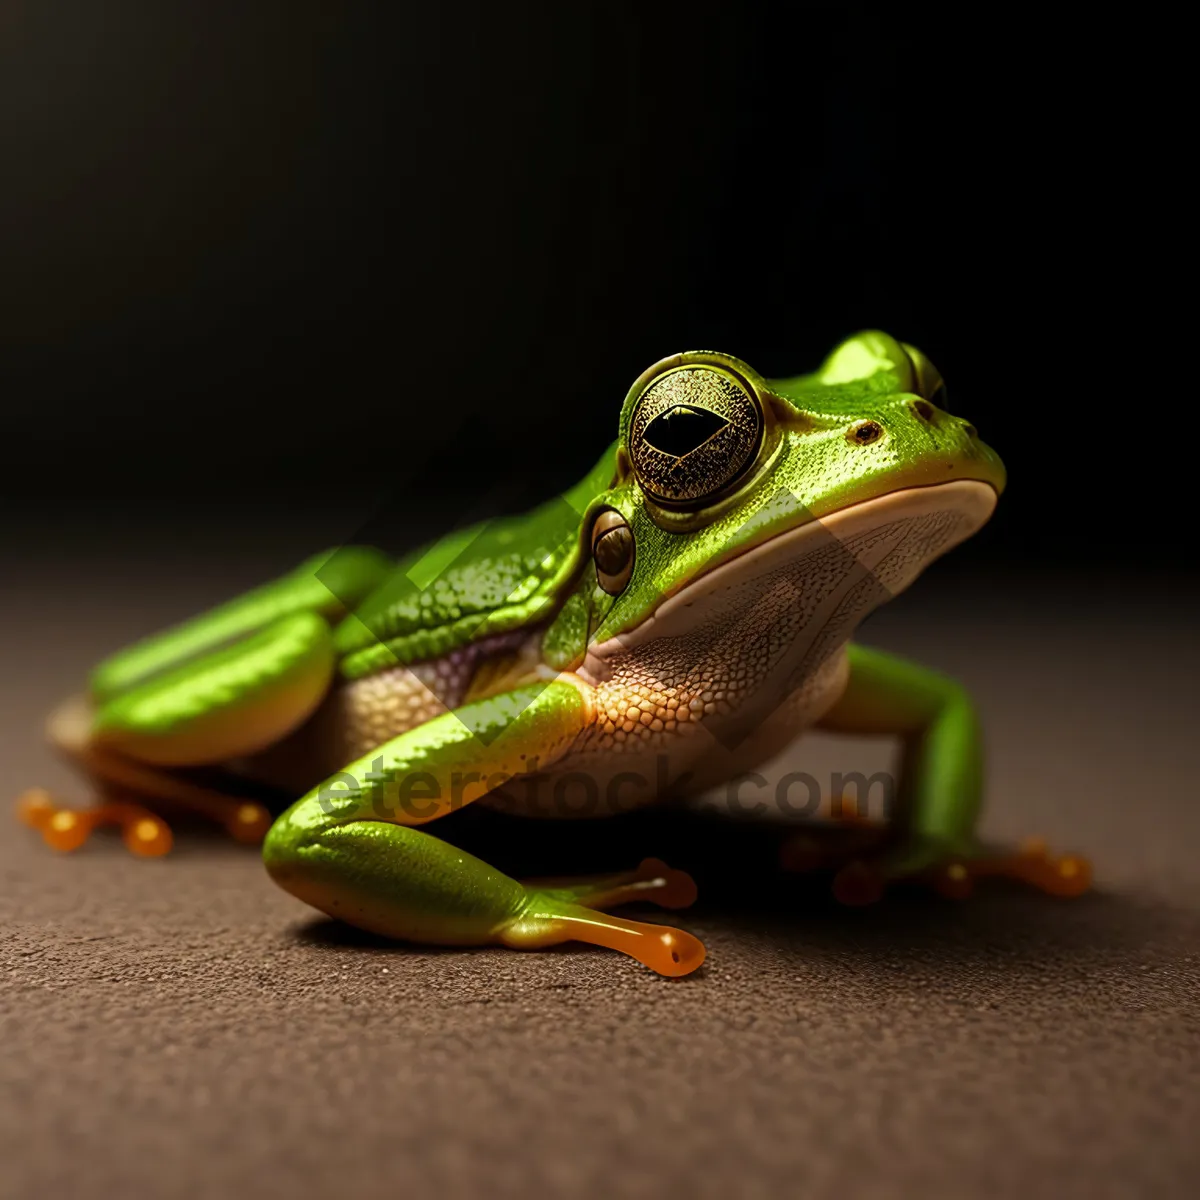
[(967, 503)]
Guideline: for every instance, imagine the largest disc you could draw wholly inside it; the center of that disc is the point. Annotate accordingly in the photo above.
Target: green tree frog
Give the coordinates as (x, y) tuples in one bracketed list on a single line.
[(680, 615)]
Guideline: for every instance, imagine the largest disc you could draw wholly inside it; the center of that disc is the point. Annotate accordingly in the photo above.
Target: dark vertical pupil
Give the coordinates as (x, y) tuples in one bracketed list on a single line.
[(681, 429)]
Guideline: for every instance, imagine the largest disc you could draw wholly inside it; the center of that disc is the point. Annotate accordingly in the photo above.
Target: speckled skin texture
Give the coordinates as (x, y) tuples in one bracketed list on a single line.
[(361, 714), (508, 579), (739, 660), (183, 1028)]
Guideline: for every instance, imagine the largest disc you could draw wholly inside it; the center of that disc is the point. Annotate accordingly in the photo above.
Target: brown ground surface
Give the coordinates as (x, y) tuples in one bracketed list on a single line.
[(182, 1028)]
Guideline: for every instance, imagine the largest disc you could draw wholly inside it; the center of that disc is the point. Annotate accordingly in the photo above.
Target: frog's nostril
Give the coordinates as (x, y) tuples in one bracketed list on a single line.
[(923, 409), (970, 429)]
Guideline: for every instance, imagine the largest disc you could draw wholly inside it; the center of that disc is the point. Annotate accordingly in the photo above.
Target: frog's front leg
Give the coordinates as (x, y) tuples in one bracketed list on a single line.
[(350, 849), (940, 788)]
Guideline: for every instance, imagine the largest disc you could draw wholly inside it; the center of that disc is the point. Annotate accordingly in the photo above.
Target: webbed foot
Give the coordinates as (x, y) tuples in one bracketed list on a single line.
[(1032, 863), (575, 910), (67, 829), (951, 870), (549, 922), (145, 833)]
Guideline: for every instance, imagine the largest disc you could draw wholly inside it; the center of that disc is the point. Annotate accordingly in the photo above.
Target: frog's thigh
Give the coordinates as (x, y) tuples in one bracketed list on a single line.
[(326, 585), (226, 704), (349, 849), (217, 707)]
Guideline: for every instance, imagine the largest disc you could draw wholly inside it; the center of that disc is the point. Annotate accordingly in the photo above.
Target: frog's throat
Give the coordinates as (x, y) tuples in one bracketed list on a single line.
[(860, 557)]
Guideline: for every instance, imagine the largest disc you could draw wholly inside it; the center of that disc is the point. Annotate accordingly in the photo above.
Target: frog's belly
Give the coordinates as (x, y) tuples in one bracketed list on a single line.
[(603, 777), (360, 715)]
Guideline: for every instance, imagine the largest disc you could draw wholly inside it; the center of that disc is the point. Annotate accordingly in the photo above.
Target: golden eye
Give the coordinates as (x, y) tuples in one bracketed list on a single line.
[(612, 551), (694, 432)]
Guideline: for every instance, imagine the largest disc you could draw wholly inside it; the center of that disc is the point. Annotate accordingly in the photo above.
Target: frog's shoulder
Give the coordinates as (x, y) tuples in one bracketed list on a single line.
[(489, 578)]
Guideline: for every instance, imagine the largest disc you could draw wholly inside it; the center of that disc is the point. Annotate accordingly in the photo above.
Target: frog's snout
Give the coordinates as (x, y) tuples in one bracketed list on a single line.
[(929, 414), (928, 443)]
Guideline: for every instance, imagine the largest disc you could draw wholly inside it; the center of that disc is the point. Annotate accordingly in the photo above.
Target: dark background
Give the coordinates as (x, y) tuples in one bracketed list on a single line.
[(272, 264), (264, 266)]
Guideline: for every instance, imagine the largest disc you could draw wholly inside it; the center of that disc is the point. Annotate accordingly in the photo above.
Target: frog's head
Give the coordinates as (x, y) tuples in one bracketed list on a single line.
[(847, 482)]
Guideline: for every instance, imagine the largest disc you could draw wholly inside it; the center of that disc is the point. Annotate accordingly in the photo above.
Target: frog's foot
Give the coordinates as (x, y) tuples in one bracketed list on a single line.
[(845, 833), (1032, 863), (66, 829), (548, 921), (146, 833), (120, 778), (952, 870), (569, 910), (653, 881)]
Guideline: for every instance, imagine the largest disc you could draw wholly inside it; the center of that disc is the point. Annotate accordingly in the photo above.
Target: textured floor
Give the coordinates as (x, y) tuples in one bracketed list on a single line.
[(181, 1028)]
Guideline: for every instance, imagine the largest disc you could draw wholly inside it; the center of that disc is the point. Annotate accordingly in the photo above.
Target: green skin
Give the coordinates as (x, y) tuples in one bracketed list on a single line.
[(343, 849)]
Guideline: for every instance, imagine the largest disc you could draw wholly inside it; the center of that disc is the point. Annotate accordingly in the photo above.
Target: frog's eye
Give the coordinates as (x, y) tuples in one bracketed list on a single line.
[(694, 432), (612, 551)]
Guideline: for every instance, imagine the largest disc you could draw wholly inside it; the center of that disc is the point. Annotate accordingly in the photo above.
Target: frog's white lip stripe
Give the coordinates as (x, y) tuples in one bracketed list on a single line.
[(971, 500)]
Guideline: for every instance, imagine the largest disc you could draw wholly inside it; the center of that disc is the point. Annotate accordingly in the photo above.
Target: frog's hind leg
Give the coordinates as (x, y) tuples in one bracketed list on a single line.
[(217, 687), (121, 783), (220, 706)]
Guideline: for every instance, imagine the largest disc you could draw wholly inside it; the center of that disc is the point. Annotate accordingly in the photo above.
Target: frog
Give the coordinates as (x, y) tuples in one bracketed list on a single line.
[(683, 613)]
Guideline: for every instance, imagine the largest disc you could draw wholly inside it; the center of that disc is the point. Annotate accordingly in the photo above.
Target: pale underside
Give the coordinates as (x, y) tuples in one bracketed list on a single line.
[(724, 675)]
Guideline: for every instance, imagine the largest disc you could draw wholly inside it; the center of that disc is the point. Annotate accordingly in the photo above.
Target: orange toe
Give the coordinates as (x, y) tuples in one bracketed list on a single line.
[(672, 888), (680, 953), (67, 830), (35, 807), (670, 952), (249, 823), (147, 836)]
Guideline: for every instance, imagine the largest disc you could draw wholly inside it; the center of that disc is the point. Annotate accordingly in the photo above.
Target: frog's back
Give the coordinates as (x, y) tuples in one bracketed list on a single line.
[(490, 579), (452, 620)]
